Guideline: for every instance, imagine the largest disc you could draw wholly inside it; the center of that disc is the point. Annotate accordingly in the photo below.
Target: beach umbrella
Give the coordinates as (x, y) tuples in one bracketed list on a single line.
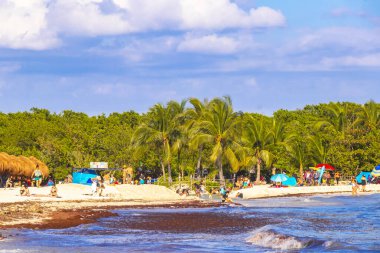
[(15, 166), (4, 163), (28, 166), (279, 178), (327, 166), (376, 171)]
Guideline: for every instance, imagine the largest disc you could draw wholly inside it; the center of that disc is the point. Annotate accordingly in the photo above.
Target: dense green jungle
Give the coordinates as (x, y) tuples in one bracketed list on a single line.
[(182, 138)]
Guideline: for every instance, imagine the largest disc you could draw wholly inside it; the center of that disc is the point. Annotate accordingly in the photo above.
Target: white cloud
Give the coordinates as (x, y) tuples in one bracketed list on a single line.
[(371, 60), (251, 82), (114, 89), (37, 24), (8, 67), (340, 38), (86, 18), (23, 24), (213, 44), (221, 14), (196, 14)]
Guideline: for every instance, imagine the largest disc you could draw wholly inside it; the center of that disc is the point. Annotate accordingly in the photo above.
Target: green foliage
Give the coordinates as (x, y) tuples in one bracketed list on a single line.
[(182, 139)]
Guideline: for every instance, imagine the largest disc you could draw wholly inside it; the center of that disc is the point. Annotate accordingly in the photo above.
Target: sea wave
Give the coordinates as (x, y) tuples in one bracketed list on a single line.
[(269, 238)]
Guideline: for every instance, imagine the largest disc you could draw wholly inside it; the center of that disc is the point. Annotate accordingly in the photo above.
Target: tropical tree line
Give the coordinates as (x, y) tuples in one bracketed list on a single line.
[(185, 138)]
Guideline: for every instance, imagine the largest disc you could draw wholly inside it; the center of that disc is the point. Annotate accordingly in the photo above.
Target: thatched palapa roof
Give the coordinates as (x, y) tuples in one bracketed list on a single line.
[(20, 165)]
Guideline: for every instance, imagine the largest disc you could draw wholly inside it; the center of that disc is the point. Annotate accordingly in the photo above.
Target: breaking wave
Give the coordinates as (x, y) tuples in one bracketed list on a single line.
[(268, 238)]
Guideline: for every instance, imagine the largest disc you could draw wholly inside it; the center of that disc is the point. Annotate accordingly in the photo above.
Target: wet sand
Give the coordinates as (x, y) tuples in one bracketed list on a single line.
[(181, 222), (57, 216)]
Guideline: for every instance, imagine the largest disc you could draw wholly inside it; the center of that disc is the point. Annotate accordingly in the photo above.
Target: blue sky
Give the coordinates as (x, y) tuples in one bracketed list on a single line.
[(103, 56)]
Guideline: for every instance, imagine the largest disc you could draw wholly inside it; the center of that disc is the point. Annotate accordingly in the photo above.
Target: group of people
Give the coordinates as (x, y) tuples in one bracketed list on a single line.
[(243, 182), (24, 191), (34, 180), (97, 186), (311, 177)]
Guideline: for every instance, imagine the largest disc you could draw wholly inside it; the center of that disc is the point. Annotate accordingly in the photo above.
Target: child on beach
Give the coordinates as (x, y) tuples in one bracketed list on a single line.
[(24, 191), (54, 192), (355, 187)]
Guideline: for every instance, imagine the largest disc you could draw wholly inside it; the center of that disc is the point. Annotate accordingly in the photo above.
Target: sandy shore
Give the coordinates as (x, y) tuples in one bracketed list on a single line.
[(76, 205), (265, 191)]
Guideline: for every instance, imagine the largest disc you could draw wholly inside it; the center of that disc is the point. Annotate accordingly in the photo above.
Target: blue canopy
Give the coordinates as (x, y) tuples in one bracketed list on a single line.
[(290, 182), (279, 178), (377, 167), (366, 174), (84, 176)]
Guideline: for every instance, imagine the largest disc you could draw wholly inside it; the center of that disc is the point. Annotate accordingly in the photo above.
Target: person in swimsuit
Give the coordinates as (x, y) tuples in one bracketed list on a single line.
[(364, 183), (355, 187)]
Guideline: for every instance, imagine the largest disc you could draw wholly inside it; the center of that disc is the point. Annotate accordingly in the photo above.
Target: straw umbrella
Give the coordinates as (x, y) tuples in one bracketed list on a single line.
[(3, 163), (28, 166), (16, 166)]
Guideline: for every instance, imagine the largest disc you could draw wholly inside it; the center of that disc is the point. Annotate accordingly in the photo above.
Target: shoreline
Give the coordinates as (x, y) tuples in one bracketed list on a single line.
[(264, 191), (60, 215), (37, 212)]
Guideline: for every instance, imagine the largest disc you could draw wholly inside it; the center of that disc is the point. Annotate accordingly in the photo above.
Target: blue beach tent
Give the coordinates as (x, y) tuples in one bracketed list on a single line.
[(359, 177), (290, 182), (84, 176)]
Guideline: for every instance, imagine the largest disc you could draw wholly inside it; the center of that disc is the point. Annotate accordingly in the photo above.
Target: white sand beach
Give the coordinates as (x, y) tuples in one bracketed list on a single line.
[(78, 192), (265, 191)]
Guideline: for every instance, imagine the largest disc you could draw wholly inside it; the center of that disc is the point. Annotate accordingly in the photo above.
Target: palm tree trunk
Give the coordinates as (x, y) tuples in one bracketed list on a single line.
[(258, 171), (180, 168), (199, 156), (170, 173), (301, 170), (220, 166), (163, 169)]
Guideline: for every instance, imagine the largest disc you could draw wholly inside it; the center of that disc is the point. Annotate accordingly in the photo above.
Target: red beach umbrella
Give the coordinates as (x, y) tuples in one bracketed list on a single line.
[(327, 166)]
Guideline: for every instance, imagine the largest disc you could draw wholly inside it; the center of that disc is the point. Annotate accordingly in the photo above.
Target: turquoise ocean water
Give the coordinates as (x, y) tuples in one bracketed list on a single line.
[(329, 223)]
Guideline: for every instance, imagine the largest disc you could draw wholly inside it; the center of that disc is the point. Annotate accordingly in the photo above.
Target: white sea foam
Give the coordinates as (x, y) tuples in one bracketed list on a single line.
[(332, 245), (268, 238)]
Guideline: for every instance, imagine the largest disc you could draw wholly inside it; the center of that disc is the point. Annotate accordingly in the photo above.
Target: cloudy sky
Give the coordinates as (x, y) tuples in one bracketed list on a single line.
[(102, 56)]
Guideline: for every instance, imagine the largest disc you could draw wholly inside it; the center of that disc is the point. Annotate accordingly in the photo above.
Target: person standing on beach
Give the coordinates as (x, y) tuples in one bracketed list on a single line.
[(355, 187), (337, 177), (364, 183), (94, 186), (37, 176)]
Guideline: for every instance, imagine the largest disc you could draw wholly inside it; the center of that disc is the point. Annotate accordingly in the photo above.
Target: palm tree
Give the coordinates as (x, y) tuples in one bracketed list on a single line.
[(369, 115), (194, 115), (179, 139), (278, 136), (218, 126), (320, 148), (156, 133), (297, 151), (277, 132), (258, 138), (339, 118)]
